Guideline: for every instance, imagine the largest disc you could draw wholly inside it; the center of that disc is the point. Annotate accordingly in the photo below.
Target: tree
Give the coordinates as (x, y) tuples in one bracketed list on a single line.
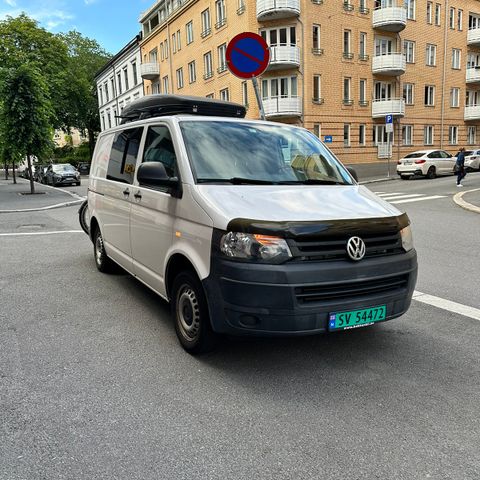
[(26, 114)]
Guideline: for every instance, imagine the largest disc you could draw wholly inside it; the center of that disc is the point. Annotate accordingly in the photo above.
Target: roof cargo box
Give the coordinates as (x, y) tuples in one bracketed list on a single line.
[(160, 105)]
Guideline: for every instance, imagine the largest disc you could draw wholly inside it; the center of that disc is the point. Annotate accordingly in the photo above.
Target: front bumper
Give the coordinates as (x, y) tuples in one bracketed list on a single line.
[(67, 181), (258, 299)]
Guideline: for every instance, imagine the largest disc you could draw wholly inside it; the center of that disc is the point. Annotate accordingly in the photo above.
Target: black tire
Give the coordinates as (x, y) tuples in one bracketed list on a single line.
[(78, 184), (189, 310), (431, 174), (82, 217), (405, 177), (104, 264)]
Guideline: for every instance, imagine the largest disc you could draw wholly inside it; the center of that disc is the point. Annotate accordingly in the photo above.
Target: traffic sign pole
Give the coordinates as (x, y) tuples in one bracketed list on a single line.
[(259, 98), (388, 131)]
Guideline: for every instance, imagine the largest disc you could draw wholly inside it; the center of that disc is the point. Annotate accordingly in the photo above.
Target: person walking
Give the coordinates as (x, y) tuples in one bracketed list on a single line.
[(460, 167)]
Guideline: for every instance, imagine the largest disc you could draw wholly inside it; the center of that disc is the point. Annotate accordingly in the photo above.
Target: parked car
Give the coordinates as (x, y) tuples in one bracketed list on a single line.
[(427, 163), (472, 160), (83, 168), (40, 171), (62, 174)]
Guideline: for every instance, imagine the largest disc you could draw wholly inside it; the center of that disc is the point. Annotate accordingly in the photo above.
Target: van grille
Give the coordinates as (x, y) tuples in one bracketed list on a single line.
[(337, 291)]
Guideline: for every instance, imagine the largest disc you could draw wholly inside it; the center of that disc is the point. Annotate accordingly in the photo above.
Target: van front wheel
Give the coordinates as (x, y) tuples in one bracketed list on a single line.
[(190, 314)]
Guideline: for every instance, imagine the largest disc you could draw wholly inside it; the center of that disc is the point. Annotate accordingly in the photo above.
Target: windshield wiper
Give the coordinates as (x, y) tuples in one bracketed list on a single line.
[(313, 181), (236, 181)]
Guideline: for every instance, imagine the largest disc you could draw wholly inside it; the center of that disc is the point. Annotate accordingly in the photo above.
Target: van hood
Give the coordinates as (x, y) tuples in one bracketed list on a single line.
[(278, 203)]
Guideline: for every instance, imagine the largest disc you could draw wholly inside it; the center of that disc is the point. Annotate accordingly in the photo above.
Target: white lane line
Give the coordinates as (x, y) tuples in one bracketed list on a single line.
[(448, 305), (388, 194), (433, 197), (399, 197), (23, 234)]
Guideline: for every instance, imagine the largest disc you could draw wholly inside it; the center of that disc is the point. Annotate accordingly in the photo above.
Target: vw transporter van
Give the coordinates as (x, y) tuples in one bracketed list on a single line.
[(246, 227)]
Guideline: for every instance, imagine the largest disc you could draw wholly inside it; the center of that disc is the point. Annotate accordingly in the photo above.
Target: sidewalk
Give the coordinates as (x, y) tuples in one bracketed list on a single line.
[(12, 198), (368, 172)]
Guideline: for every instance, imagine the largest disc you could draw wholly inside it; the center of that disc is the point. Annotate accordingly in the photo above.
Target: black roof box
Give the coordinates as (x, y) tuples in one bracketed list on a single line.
[(159, 105)]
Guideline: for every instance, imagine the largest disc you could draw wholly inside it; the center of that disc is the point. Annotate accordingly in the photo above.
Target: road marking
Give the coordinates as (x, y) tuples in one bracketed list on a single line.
[(380, 194), (400, 196), (448, 305), (433, 197), (23, 234)]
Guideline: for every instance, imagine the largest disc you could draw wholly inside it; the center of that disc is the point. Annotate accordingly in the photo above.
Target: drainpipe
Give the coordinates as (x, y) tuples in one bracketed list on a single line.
[(169, 54), (442, 111), (301, 70)]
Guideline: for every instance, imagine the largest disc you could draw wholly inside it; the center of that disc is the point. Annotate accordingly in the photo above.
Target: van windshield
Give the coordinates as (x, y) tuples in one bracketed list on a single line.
[(253, 153)]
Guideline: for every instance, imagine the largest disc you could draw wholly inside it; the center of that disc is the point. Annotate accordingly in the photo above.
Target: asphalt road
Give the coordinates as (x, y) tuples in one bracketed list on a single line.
[(94, 385)]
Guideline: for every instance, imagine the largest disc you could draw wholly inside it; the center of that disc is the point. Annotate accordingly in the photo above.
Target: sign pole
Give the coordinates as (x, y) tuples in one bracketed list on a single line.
[(259, 98), (388, 155), (389, 131)]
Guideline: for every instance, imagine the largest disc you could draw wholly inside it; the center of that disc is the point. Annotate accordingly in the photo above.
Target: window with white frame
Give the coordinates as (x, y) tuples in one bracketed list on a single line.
[(460, 20), (210, 95), (162, 52), (346, 134), (347, 35), (361, 134), (410, 6), (438, 14), (192, 72), (179, 41), (221, 14), (316, 49), (317, 88), (472, 135), (105, 88), (455, 97), (363, 102), (206, 26), (317, 129), (362, 54), (174, 43), (180, 78), (429, 12), (456, 54), (409, 51), (431, 55), (407, 134), (451, 18), (156, 87), (100, 95), (207, 65), (279, 36), (165, 45), (189, 32), (222, 60), (453, 135), (165, 84), (347, 82), (362, 8), (280, 87), (429, 95), (428, 135), (224, 95), (125, 78), (408, 93), (380, 135)]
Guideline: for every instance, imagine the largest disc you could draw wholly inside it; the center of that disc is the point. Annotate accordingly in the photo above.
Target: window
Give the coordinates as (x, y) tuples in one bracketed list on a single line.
[(407, 134), (451, 18), (224, 95), (207, 65), (156, 87), (428, 135), (362, 54), (162, 52), (179, 41), (361, 134), (429, 12), (453, 135), (410, 6), (165, 44), (408, 93), (317, 129), (112, 83), (189, 32), (460, 20), (429, 95), (431, 55), (363, 7), (165, 84), (192, 72), (174, 43), (438, 14), (220, 11), (472, 135), (380, 135), (100, 95), (222, 60), (346, 91), (159, 148), (363, 102), (153, 56), (346, 134), (135, 74), (103, 122), (123, 156), (206, 27), (245, 94), (456, 52), (317, 92), (316, 40), (409, 51), (180, 77), (279, 87), (210, 95), (241, 7), (125, 78), (346, 44)]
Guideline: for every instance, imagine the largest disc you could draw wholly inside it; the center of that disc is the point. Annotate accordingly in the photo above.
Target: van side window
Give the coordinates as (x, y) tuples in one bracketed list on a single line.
[(159, 148), (123, 156)]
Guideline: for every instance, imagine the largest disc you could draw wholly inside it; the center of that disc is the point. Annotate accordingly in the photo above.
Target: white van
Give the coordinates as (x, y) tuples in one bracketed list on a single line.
[(246, 227)]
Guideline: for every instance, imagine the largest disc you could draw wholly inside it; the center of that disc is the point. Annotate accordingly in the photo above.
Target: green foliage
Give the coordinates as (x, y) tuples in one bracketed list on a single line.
[(73, 155)]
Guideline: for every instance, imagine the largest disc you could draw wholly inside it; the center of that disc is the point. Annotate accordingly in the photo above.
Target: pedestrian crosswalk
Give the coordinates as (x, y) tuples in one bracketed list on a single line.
[(398, 197)]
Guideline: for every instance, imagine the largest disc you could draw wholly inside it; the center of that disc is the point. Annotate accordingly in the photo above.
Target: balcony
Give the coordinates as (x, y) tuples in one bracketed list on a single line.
[(282, 107), (149, 71), (390, 64), (284, 56), (472, 112), (391, 19), (473, 37), (277, 9), (394, 106), (473, 75)]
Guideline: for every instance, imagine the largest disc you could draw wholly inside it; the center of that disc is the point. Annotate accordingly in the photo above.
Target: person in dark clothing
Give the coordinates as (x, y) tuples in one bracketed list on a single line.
[(460, 167)]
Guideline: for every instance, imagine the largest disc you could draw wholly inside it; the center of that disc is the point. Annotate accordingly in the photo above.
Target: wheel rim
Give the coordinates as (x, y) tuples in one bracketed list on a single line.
[(99, 250), (431, 172), (188, 312)]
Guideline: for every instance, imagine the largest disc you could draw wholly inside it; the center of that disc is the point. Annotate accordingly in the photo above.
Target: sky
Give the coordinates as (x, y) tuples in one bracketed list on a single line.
[(113, 23)]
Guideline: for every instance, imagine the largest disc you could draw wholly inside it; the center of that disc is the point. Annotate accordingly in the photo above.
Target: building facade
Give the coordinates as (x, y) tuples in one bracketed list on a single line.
[(338, 67), (118, 83)]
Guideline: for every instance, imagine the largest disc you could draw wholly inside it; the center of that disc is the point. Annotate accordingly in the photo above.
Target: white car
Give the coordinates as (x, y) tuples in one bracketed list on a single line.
[(427, 163), (472, 159)]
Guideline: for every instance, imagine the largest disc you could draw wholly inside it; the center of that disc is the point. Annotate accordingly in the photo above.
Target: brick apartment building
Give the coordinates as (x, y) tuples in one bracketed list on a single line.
[(337, 66)]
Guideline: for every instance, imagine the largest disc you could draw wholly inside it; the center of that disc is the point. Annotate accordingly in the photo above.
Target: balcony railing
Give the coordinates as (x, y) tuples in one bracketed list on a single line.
[(284, 56), (317, 51), (221, 23), (276, 9), (282, 106), (149, 71), (390, 64), (473, 36), (392, 19), (473, 74), (393, 106), (206, 32), (472, 112)]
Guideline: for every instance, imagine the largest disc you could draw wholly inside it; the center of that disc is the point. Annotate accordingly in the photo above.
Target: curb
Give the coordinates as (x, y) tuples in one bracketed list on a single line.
[(377, 180), (466, 205)]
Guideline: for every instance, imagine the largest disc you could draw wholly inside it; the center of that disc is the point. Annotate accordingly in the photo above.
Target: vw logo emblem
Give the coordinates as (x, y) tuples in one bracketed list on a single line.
[(356, 248)]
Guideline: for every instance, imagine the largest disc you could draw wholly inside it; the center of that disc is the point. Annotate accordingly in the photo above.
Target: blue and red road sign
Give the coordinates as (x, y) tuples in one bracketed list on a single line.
[(247, 55)]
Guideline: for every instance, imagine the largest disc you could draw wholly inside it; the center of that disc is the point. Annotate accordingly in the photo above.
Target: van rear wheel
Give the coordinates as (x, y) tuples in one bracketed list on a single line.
[(103, 262), (190, 314)]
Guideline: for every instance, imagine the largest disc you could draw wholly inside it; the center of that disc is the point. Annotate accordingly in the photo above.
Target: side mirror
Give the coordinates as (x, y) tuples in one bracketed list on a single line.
[(153, 174), (353, 173)]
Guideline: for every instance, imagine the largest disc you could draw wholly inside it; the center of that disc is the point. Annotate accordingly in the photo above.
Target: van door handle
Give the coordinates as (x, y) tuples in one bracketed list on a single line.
[(126, 192), (138, 195)]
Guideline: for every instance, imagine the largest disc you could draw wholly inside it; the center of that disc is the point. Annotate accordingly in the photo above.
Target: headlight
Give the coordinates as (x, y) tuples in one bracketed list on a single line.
[(407, 238), (255, 247)]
